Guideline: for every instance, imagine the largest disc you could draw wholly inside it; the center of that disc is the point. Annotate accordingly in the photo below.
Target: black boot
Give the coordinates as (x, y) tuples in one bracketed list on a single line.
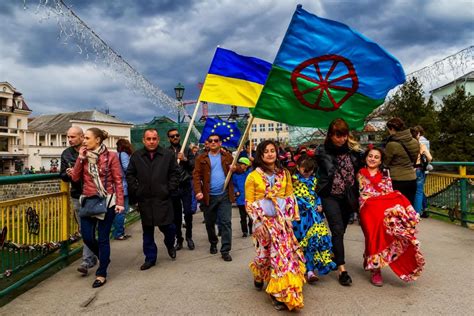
[(179, 243)]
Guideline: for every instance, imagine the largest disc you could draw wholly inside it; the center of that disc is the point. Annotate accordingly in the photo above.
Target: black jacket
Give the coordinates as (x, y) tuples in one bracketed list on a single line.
[(151, 183), (68, 159), (185, 168), (327, 163)]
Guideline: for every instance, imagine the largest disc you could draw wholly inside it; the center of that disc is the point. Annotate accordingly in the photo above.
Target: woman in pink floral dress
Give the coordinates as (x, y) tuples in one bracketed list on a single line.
[(272, 206)]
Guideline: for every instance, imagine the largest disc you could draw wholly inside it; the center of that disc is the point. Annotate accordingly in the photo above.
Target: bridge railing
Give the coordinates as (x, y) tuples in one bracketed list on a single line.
[(451, 194), (37, 231)]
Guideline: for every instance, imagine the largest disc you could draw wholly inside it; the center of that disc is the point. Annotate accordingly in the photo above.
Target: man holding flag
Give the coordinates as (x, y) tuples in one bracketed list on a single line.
[(210, 171)]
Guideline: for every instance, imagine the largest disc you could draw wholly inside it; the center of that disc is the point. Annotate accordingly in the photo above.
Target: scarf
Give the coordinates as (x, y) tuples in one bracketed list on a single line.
[(375, 179), (93, 169)]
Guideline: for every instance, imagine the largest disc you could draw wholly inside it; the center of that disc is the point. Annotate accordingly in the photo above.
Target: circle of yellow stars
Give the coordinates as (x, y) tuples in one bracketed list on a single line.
[(231, 130)]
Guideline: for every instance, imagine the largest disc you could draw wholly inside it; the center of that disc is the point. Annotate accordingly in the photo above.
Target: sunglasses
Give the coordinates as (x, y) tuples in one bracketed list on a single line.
[(213, 140), (174, 136)]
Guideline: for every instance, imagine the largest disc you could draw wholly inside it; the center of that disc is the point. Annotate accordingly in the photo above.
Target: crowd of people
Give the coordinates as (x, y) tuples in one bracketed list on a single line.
[(295, 204)]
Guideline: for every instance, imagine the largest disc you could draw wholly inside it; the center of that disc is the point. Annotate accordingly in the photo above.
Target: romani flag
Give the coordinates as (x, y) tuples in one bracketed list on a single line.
[(325, 70)]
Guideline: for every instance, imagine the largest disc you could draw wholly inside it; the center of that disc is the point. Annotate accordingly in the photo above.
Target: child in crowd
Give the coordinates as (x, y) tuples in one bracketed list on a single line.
[(310, 230), (239, 188)]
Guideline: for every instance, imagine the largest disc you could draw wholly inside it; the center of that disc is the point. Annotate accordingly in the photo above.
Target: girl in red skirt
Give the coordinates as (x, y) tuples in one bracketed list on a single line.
[(388, 221)]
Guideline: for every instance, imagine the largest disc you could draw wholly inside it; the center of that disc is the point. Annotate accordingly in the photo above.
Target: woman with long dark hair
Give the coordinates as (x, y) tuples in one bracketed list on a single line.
[(99, 171), (339, 161), (401, 153), (272, 206), (389, 224), (124, 151)]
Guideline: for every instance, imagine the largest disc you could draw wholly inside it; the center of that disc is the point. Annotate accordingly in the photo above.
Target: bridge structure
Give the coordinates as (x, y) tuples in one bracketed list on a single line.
[(40, 248)]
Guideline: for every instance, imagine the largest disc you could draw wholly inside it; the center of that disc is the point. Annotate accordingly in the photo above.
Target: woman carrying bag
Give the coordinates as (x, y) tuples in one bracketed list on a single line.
[(102, 196)]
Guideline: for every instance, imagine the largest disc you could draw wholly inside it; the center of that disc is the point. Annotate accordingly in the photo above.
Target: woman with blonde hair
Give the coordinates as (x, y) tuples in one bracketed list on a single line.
[(102, 190), (270, 202)]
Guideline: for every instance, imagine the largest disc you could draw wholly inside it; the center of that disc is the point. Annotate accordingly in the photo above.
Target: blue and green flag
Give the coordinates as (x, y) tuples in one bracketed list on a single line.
[(325, 70)]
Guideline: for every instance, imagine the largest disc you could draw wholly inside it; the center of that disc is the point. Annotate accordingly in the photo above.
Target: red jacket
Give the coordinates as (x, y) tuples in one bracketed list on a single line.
[(114, 176)]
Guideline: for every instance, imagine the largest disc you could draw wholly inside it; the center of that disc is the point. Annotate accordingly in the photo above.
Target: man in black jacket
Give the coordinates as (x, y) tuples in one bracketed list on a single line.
[(182, 200), (152, 177), (75, 137)]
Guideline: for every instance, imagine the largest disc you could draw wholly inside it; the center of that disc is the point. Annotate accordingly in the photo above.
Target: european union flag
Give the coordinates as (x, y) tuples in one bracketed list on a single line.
[(228, 131)]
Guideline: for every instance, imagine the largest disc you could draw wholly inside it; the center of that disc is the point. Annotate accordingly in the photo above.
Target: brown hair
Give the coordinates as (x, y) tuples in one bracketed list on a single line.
[(100, 133), (307, 163), (396, 124), (258, 161), (123, 145), (367, 151), (337, 127)]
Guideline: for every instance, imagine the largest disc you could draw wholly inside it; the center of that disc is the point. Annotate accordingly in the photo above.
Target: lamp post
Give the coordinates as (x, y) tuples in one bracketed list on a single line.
[(179, 92)]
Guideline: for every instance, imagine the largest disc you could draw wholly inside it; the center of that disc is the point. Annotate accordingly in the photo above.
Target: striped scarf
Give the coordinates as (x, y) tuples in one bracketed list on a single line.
[(93, 158)]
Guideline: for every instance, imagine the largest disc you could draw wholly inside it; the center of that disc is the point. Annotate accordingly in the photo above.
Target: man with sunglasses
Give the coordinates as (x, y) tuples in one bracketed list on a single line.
[(210, 171), (182, 199)]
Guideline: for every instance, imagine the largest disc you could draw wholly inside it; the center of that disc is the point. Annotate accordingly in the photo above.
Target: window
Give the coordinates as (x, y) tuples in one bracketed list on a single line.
[(286, 127), (3, 120), (279, 125), (254, 128), (64, 144), (270, 127), (262, 127), (262, 139), (254, 142), (3, 143)]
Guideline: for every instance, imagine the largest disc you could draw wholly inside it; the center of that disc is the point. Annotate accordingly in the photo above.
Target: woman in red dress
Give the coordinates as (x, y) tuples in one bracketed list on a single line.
[(388, 221)]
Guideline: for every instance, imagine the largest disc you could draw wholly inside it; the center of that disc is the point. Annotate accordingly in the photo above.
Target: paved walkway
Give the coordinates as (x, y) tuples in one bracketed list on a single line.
[(198, 283)]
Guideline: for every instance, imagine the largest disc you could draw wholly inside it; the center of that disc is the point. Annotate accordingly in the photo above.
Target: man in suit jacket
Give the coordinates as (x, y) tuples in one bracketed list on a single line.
[(152, 176)]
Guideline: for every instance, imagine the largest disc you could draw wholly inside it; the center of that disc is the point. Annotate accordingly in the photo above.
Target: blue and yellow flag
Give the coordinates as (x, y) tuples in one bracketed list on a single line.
[(234, 79), (228, 131)]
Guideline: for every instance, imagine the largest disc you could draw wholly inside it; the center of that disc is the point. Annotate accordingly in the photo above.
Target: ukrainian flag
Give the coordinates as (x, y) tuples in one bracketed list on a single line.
[(235, 79)]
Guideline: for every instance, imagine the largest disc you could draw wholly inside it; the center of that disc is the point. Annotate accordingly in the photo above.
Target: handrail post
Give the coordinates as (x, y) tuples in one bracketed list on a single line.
[(66, 210), (463, 197)]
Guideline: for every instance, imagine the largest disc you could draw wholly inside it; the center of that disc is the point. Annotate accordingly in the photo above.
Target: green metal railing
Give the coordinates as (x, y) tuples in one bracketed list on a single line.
[(451, 194), (41, 232)]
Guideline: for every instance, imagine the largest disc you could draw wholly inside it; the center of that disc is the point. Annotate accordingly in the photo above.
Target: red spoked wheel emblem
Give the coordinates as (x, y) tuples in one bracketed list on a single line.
[(320, 82)]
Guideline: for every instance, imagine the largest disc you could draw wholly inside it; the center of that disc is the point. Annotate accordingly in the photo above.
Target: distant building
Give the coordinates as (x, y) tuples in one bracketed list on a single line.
[(13, 126), (265, 129), (466, 80), (46, 136)]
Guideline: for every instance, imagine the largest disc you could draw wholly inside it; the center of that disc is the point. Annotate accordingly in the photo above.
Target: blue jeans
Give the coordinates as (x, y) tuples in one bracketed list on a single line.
[(419, 195), (219, 207), (100, 247), (119, 221), (88, 258), (149, 247)]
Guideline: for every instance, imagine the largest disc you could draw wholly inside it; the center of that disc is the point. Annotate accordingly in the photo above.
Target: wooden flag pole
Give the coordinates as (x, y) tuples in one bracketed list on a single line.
[(191, 123), (242, 142)]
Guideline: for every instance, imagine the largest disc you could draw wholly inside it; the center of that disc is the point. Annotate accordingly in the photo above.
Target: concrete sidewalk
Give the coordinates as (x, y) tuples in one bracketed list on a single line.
[(199, 283)]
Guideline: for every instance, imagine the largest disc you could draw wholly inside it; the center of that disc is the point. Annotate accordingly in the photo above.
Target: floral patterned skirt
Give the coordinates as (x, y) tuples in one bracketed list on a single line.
[(389, 225), (280, 263)]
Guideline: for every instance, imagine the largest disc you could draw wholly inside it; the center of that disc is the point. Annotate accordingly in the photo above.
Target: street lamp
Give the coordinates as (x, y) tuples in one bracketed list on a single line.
[(179, 92)]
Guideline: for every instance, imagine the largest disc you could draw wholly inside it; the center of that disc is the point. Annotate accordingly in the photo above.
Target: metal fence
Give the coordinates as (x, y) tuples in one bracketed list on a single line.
[(451, 195)]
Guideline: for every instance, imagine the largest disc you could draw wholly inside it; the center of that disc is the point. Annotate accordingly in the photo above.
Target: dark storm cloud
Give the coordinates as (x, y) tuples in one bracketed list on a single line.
[(174, 41)]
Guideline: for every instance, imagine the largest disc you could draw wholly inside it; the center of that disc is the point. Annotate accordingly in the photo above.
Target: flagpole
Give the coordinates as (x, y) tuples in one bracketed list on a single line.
[(242, 142), (191, 123)]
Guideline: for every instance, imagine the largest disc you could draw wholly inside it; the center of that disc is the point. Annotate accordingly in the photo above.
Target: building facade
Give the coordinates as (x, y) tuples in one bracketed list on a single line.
[(265, 129), (14, 114), (46, 137)]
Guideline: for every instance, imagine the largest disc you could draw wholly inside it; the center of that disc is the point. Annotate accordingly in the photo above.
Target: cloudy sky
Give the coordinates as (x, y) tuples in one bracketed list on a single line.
[(171, 41)]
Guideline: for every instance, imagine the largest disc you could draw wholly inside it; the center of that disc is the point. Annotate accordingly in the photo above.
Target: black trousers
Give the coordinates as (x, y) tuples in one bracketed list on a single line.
[(244, 225), (407, 188), (182, 204), (338, 211)]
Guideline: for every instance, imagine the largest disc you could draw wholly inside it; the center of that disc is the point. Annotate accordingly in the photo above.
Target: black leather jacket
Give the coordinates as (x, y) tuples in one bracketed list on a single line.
[(327, 163), (68, 159), (185, 168)]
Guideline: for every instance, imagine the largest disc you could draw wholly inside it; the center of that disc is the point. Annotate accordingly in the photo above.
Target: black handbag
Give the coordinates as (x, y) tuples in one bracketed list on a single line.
[(93, 206)]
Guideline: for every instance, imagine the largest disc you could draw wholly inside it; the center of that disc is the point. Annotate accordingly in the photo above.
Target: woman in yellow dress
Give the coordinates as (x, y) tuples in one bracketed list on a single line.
[(272, 206)]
